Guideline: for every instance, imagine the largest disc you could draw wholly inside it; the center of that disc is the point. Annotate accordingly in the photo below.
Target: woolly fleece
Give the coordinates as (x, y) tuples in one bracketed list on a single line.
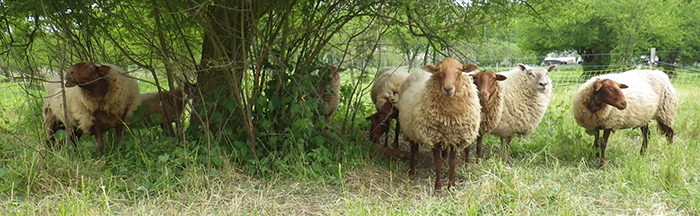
[(524, 100), (429, 117), (649, 95), (122, 98)]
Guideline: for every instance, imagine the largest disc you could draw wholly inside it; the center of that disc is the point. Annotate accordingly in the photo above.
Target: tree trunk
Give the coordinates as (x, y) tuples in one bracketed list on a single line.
[(227, 39)]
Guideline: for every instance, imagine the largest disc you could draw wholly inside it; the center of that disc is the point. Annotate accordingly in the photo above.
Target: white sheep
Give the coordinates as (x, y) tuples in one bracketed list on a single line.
[(526, 96), (439, 109), (385, 96), (98, 97), (331, 99), (491, 100), (626, 100)]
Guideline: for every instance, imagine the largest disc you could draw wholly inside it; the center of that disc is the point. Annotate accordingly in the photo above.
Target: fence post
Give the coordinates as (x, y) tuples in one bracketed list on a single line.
[(652, 57)]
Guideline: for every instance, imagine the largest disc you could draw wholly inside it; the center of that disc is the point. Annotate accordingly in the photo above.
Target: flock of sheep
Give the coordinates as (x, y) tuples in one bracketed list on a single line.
[(93, 98), (445, 107)]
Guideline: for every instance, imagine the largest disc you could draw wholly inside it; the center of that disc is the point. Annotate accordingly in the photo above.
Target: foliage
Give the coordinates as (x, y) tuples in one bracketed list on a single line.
[(592, 28)]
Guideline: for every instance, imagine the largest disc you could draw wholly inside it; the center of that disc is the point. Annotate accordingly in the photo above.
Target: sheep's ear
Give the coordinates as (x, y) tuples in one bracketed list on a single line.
[(597, 85), (500, 77), (469, 67), (522, 67), (623, 86), (103, 70), (430, 68), (551, 68)]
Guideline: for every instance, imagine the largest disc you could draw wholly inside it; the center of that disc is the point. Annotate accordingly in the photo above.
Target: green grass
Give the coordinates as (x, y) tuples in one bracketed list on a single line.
[(553, 172)]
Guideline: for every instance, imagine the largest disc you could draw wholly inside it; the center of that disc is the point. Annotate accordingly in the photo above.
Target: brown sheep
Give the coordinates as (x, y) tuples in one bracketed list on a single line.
[(491, 101), (98, 98), (380, 123), (385, 95), (169, 105)]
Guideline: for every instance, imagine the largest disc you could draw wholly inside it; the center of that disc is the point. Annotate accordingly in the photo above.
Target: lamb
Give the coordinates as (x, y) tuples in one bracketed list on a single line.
[(98, 98), (385, 96), (439, 109), (525, 99), (491, 100), (626, 100), (169, 105), (331, 99)]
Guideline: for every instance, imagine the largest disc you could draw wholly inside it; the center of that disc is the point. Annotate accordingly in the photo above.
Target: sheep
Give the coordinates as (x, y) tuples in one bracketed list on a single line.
[(98, 97), (380, 123), (331, 99), (626, 100), (491, 101), (385, 96), (525, 99), (168, 104), (439, 109)]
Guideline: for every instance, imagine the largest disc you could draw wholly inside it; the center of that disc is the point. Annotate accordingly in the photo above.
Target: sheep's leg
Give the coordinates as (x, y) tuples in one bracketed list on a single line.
[(667, 130), (119, 130), (595, 144), (414, 151), (466, 155), (645, 139), (97, 131), (437, 159), (453, 164), (396, 134), (479, 153), (603, 145)]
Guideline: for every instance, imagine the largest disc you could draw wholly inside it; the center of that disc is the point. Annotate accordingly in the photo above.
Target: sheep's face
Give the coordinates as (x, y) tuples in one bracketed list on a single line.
[(380, 121), (609, 92), (85, 73), (538, 77), (486, 82), (449, 72)]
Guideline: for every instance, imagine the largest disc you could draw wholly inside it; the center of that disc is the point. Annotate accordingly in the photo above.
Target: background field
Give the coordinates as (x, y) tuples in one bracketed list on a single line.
[(553, 172)]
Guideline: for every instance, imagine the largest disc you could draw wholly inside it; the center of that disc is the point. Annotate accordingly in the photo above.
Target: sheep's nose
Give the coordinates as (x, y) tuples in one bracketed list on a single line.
[(448, 89), (543, 84), (624, 104)]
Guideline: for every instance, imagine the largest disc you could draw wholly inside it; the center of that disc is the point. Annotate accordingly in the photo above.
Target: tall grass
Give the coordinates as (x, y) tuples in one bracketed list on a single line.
[(553, 172)]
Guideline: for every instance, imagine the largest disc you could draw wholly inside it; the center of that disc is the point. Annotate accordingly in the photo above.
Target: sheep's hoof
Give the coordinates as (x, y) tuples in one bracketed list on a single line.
[(438, 192)]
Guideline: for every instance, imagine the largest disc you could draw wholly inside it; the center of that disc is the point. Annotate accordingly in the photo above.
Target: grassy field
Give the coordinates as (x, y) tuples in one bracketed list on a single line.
[(553, 172)]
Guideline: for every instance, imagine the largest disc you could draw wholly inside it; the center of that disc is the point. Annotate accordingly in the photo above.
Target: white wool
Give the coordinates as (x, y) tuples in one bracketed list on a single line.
[(525, 101), (387, 82), (419, 126), (80, 108), (649, 96)]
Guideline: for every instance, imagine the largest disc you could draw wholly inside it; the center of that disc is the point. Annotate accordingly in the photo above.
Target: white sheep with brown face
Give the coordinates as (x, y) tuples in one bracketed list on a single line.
[(439, 109), (98, 97), (525, 98), (385, 96), (627, 100)]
